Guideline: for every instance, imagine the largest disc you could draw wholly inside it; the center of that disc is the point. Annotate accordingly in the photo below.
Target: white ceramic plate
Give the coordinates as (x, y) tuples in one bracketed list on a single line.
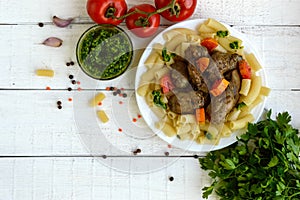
[(151, 118)]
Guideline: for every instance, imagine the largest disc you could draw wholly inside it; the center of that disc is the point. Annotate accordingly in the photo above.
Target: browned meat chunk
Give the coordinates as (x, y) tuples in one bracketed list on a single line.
[(179, 73), (225, 62), (185, 102), (224, 103)]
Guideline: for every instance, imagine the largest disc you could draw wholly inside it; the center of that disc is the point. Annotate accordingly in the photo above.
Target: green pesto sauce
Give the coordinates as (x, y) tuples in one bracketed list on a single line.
[(105, 52)]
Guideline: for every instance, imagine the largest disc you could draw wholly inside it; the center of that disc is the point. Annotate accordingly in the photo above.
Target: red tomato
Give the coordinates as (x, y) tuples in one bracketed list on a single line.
[(105, 11), (139, 23), (183, 9)]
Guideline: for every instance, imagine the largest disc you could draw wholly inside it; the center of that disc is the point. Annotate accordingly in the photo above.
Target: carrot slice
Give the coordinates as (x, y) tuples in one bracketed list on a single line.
[(219, 87), (209, 43), (245, 69), (200, 115), (203, 63)]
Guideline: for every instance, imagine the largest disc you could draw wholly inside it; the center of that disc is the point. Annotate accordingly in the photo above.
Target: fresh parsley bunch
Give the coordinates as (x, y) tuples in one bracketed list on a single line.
[(264, 164)]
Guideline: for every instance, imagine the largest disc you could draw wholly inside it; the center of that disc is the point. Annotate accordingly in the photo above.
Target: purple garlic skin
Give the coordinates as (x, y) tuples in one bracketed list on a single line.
[(62, 22), (53, 42)]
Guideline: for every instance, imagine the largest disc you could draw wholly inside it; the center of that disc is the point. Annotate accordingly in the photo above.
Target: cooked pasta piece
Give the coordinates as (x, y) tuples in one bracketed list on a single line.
[(245, 87), (241, 123), (203, 28), (188, 118), (254, 90), (160, 73), (160, 113), (152, 59), (265, 91), (172, 44), (217, 26), (226, 131), (168, 129), (231, 44), (183, 128), (253, 62), (234, 114), (143, 89), (97, 99), (102, 116), (44, 72)]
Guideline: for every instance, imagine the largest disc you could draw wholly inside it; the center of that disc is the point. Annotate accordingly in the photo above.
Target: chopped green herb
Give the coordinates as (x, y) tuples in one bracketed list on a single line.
[(222, 34), (157, 99), (263, 164), (165, 56), (240, 105), (234, 45)]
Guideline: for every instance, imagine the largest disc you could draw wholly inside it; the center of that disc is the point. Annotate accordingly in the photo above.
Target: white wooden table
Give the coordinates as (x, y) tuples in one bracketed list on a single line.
[(43, 152)]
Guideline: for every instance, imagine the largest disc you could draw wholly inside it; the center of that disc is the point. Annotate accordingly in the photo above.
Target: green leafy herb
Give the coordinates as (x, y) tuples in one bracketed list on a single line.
[(234, 45), (167, 57), (240, 105), (157, 99), (263, 164), (222, 34)]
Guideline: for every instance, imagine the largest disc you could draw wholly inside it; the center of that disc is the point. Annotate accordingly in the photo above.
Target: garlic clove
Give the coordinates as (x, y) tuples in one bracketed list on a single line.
[(53, 42), (61, 22)]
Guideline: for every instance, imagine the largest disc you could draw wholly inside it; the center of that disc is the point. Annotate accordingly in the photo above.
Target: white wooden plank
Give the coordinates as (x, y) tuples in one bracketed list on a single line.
[(31, 124), (87, 178), (22, 56), (279, 12)]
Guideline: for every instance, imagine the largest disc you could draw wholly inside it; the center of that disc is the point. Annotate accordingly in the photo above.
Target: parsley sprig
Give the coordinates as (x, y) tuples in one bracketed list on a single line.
[(263, 164)]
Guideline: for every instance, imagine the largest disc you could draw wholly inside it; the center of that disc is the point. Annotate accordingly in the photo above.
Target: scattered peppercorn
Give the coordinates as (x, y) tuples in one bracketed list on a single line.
[(70, 99), (68, 64), (171, 178), (72, 63), (69, 89), (41, 24), (115, 93), (134, 120), (124, 95), (59, 103), (104, 156), (59, 107), (73, 82), (71, 77), (118, 91), (111, 88), (120, 130), (196, 156), (48, 88), (139, 116), (137, 151), (167, 153)]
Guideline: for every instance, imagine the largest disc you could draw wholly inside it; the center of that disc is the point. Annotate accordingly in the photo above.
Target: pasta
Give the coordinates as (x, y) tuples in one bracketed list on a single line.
[(251, 59), (214, 24), (241, 123), (245, 87), (254, 90), (102, 116), (44, 72), (97, 99)]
